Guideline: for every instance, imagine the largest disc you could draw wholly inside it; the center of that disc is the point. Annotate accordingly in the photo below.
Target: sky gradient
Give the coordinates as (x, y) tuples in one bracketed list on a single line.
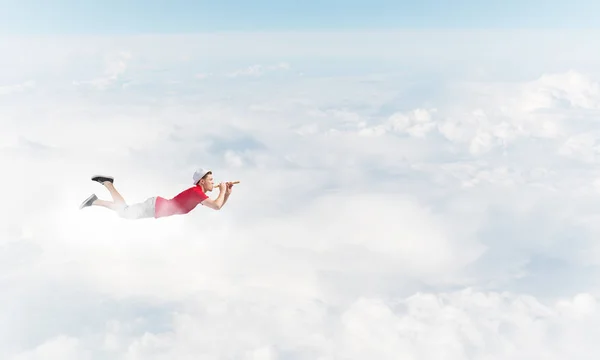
[(179, 16)]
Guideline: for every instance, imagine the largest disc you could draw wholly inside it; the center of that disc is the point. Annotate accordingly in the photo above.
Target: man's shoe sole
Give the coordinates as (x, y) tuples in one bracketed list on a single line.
[(101, 179)]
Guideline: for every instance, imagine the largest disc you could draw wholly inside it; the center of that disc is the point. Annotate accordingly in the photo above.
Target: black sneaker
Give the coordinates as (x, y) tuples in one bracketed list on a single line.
[(101, 179), (88, 202)]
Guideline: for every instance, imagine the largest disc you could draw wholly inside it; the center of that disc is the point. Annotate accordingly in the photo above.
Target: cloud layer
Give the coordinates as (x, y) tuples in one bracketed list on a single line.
[(392, 205)]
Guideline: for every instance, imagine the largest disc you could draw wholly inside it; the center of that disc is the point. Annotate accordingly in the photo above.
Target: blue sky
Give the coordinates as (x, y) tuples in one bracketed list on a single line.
[(176, 16)]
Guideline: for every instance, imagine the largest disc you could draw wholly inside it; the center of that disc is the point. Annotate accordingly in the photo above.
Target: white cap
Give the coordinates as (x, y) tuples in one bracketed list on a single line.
[(199, 174)]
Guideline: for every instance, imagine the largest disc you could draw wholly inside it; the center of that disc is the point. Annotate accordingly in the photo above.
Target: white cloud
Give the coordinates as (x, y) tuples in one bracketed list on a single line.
[(378, 215), (469, 324), (202, 76), (417, 123), (582, 147), (456, 325), (61, 347), (571, 89), (504, 115), (258, 70), (115, 67), (16, 88)]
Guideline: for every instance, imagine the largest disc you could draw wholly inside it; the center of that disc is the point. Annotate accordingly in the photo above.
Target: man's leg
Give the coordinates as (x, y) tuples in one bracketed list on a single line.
[(117, 198), (108, 181), (93, 200), (118, 202), (107, 204), (141, 210), (135, 211)]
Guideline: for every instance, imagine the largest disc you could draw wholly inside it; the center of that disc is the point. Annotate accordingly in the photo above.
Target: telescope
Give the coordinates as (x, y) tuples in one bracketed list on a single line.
[(231, 182)]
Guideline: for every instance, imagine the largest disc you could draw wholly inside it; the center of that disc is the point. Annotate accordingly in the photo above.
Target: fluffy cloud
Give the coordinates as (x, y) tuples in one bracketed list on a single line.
[(570, 89), (375, 218), (258, 70), (456, 325), (541, 108), (16, 88), (115, 67)]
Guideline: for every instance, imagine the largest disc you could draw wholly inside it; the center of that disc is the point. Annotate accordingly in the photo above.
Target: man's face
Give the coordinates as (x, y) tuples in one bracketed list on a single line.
[(208, 182)]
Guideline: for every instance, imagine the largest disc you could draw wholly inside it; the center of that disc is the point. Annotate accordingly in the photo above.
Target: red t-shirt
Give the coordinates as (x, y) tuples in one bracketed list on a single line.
[(182, 203)]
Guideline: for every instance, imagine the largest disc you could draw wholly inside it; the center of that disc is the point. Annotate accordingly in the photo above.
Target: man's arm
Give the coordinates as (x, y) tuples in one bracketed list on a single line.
[(225, 198), (227, 193), (217, 203)]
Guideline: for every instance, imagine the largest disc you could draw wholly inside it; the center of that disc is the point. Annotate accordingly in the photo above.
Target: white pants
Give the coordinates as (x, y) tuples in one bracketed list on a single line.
[(140, 210)]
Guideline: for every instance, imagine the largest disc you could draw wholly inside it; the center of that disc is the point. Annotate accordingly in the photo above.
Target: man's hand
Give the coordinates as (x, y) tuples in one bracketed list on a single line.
[(229, 187), (222, 186)]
